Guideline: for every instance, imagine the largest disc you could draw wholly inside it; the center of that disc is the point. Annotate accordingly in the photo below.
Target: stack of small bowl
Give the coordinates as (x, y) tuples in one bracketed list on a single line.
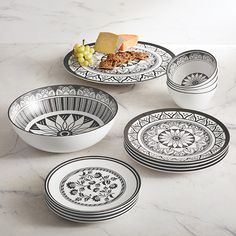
[(192, 78)]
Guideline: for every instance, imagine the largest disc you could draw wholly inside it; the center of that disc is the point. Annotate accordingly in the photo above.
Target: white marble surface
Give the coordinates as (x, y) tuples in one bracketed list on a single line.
[(36, 35)]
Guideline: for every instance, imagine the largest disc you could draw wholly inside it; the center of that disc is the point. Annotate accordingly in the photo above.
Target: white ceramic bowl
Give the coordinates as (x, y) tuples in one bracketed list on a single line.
[(192, 100), (63, 118), (195, 91), (192, 69), (212, 80)]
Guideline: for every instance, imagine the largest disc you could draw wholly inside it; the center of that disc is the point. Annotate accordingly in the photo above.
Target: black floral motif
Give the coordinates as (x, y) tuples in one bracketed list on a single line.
[(97, 175), (73, 191), (96, 189), (194, 79), (113, 186), (175, 138), (96, 198), (90, 187), (63, 125), (71, 185)]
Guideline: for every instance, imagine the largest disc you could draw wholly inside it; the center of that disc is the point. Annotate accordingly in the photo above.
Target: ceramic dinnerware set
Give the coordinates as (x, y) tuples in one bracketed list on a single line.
[(68, 118)]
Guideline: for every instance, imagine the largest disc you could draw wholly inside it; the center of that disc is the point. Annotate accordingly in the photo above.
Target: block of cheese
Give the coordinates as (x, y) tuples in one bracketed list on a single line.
[(108, 42), (130, 40)]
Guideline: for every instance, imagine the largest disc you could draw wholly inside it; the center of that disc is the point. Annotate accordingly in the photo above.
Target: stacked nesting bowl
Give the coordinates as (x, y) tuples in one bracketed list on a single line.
[(192, 79)]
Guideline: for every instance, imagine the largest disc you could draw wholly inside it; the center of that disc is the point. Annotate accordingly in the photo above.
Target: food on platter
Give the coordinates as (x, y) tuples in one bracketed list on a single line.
[(84, 54), (129, 40), (111, 49), (108, 42), (120, 58)]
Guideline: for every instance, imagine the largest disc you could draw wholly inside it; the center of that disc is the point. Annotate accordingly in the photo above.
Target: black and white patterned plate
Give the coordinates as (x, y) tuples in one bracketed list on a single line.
[(176, 135), (86, 214), (79, 219), (133, 72), (174, 165), (174, 169), (92, 185)]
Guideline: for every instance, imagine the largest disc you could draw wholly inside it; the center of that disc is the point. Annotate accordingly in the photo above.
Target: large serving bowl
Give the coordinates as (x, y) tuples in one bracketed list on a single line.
[(63, 118), (193, 69)]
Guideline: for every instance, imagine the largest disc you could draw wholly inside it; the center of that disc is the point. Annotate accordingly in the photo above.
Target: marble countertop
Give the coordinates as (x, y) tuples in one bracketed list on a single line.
[(35, 37)]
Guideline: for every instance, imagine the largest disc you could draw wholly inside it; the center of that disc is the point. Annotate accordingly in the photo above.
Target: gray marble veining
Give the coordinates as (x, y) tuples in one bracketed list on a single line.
[(35, 37)]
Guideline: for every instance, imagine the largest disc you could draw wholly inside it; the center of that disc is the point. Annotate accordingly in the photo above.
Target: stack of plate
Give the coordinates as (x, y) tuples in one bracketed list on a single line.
[(92, 189), (176, 140)]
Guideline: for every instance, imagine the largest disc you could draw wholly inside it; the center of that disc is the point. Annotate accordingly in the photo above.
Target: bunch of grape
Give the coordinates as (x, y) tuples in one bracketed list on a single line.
[(84, 54)]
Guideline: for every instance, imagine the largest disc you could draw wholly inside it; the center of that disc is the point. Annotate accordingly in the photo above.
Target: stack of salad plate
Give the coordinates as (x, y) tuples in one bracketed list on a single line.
[(92, 189)]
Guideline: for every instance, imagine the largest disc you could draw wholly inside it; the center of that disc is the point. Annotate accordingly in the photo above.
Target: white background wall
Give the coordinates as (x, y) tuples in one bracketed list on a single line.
[(161, 21)]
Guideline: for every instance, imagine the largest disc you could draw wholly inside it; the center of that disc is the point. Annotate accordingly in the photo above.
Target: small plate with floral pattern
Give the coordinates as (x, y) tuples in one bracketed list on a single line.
[(92, 185), (176, 135), (133, 72)]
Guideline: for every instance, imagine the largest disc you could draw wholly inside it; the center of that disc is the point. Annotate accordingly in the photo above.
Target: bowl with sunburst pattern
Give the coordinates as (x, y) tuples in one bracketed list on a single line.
[(192, 71), (63, 118)]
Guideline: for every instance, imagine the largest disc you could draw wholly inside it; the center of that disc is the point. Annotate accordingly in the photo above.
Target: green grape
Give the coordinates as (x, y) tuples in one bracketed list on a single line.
[(92, 50), (87, 48), (88, 56), (90, 61), (81, 49), (85, 53), (81, 60), (79, 55), (85, 63), (76, 47)]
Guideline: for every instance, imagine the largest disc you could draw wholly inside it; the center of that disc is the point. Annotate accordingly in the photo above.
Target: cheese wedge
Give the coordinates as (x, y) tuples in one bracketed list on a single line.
[(108, 42), (130, 40)]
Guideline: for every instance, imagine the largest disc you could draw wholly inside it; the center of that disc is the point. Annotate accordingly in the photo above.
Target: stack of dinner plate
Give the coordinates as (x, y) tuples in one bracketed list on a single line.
[(176, 140), (92, 189)]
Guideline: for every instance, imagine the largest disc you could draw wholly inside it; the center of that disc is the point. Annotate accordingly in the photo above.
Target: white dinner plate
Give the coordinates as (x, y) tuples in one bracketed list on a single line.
[(172, 169), (176, 165)]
